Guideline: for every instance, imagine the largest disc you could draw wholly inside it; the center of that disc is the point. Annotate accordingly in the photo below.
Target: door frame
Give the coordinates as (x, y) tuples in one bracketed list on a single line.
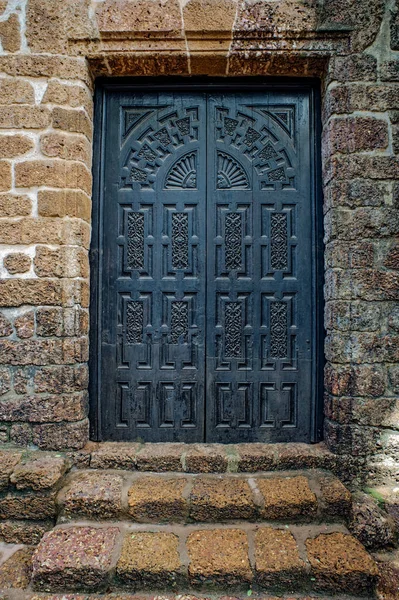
[(217, 84)]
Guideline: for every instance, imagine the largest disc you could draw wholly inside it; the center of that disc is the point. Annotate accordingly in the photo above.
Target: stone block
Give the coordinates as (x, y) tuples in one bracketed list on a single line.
[(16, 91), (160, 457), (27, 506), (219, 557), (53, 173), (357, 134), (303, 456), (24, 117), (10, 34), (25, 325), (277, 560), (17, 262), (17, 292), (203, 17), (36, 65), (357, 67), (8, 460), (15, 145), (72, 120), (61, 379), (135, 17), (75, 96), (221, 499), (286, 497), (39, 471), (44, 408), (339, 563), (63, 203), (6, 328), (24, 532), (150, 559), (5, 380), (203, 458), (96, 495), (5, 176), (116, 455), (68, 147), (336, 500), (372, 526), (77, 558), (15, 205), (157, 499), (61, 436), (255, 457), (15, 573)]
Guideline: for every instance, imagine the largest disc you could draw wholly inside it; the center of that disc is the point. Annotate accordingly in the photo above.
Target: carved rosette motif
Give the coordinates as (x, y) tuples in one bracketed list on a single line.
[(134, 322), (178, 322), (179, 240), (231, 175), (233, 241), (135, 240), (233, 329), (278, 241), (183, 174), (278, 330)]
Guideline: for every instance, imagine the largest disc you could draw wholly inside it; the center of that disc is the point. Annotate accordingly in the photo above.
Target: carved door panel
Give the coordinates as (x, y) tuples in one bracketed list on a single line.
[(259, 264), (206, 287)]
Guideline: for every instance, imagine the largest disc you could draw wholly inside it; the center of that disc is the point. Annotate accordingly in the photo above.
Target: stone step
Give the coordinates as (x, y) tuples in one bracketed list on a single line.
[(138, 558), (304, 496)]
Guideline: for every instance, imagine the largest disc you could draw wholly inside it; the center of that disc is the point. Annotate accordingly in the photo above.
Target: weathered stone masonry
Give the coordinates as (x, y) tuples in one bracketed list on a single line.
[(51, 52)]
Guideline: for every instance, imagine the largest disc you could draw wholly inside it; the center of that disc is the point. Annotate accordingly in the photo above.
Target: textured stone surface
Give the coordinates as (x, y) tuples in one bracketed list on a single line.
[(157, 499), (16, 571), (23, 532), (160, 457), (277, 560), (149, 559), (77, 558), (95, 495), (219, 556), (286, 497), (8, 461), (39, 472), (255, 457), (35, 506), (114, 455), (336, 499), (340, 563), (372, 526), (221, 499), (201, 458), (17, 262)]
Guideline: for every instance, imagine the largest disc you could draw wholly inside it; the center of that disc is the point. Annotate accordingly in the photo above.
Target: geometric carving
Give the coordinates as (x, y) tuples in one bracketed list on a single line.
[(268, 152), (230, 125), (134, 322), (179, 240), (277, 175), (232, 329), (230, 173), (147, 153), (178, 322), (183, 174), (183, 125), (278, 330), (233, 241), (250, 137), (278, 241), (163, 136), (135, 240), (138, 175)]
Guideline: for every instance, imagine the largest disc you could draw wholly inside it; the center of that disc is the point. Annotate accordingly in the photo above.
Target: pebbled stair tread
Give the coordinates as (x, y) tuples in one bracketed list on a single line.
[(303, 496), (159, 557)]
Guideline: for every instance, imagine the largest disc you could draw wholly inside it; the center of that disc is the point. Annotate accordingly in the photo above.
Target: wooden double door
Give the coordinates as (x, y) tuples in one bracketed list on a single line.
[(205, 280)]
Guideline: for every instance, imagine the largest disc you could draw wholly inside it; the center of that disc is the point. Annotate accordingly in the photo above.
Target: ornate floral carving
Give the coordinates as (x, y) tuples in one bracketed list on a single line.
[(278, 330), (179, 240), (135, 240), (231, 174), (134, 322), (233, 241), (233, 329), (178, 322), (278, 241), (183, 174)]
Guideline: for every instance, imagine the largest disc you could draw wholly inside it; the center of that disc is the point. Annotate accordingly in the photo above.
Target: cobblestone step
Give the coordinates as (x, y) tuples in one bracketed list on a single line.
[(286, 559), (294, 496)]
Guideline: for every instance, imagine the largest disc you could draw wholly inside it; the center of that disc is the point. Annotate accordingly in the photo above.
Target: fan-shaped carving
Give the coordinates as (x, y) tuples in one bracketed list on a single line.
[(183, 174), (230, 173)]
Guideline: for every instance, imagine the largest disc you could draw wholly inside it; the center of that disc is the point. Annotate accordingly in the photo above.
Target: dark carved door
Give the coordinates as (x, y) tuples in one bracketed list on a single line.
[(206, 294)]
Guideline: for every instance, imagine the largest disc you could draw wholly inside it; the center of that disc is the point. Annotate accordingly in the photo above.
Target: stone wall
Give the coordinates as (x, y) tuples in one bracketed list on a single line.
[(51, 52)]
